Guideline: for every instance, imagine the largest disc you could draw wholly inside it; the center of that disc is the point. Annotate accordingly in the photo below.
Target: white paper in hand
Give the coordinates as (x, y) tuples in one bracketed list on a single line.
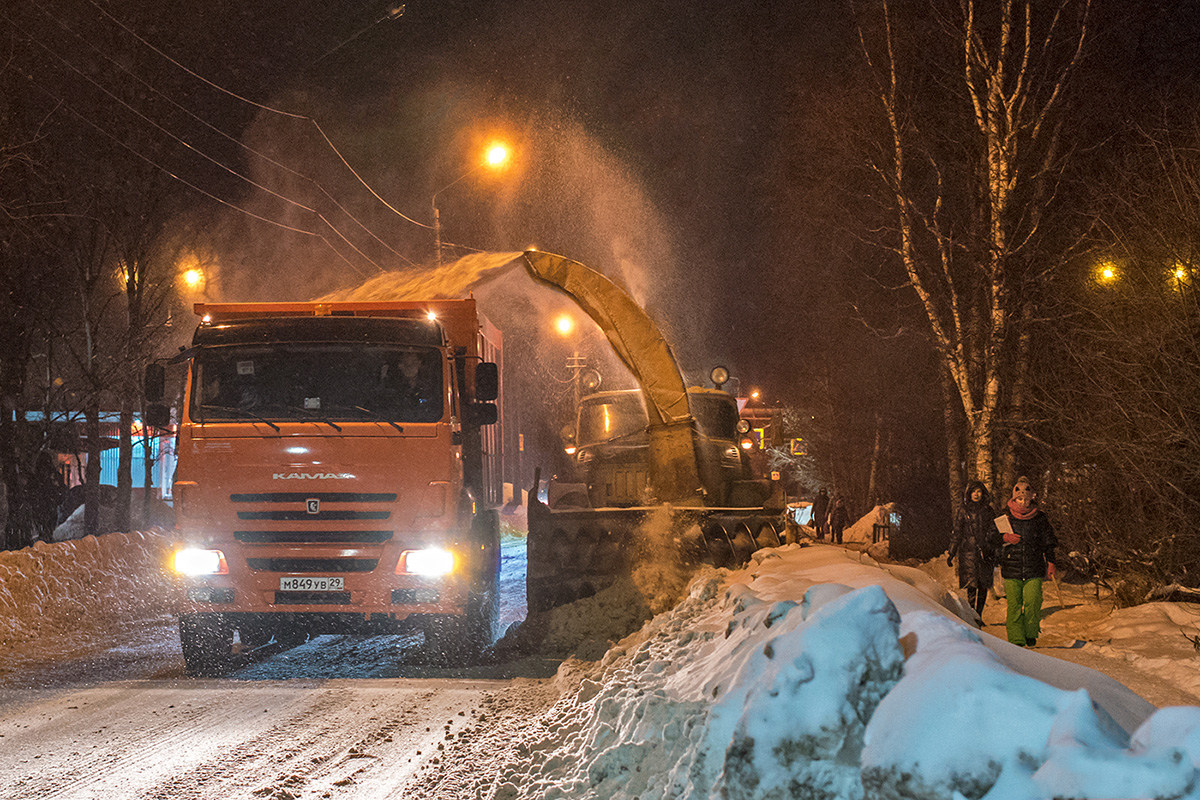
[(1003, 524)]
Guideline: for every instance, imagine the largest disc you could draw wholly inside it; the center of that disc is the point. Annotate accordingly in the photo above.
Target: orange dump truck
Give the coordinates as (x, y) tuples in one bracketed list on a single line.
[(338, 471)]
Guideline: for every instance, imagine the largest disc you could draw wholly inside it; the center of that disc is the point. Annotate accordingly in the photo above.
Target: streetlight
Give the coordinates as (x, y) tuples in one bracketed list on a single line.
[(1106, 272), (565, 325), (193, 277), (495, 157)]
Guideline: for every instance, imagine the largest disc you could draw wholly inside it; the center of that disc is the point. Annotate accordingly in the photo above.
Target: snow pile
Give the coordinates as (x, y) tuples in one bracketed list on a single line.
[(1162, 638), (587, 627), (55, 590), (73, 526), (861, 531), (870, 686)]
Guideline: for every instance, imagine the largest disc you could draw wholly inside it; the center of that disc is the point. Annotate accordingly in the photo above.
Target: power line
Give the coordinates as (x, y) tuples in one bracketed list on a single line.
[(192, 186), (263, 107), (205, 156), (230, 138)]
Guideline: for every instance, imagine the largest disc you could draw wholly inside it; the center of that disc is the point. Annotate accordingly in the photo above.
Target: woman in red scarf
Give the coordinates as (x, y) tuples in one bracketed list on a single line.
[(1026, 559)]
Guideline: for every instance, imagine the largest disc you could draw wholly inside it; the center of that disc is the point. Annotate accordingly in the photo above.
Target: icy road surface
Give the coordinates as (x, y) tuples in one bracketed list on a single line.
[(87, 719), (223, 739)]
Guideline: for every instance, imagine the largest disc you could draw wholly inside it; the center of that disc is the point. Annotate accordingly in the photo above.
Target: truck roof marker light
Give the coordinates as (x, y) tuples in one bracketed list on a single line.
[(196, 561), (206, 319), (432, 562)]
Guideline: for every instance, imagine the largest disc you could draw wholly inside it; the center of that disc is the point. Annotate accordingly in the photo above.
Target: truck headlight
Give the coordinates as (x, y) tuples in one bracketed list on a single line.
[(432, 562), (195, 561)]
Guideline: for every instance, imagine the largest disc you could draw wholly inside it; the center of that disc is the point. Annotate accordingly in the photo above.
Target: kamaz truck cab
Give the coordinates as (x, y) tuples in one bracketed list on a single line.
[(338, 467)]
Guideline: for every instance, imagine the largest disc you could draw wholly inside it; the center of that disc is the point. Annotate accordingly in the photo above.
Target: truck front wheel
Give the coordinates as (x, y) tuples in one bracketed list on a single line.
[(461, 640), (207, 641)]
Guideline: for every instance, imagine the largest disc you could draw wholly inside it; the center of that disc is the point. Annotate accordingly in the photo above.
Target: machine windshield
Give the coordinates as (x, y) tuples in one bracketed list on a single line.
[(323, 382), (611, 417), (604, 418)]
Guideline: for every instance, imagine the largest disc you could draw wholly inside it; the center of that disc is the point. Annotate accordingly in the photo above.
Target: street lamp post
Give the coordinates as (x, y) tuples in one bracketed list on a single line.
[(495, 157), (565, 326)]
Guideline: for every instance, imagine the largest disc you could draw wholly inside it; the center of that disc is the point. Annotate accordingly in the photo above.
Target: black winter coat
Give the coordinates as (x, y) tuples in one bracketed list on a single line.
[(974, 543), (1027, 559), (820, 509)]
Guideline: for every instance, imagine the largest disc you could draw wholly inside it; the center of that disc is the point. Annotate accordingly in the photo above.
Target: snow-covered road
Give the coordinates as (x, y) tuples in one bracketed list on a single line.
[(223, 739), (815, 671)]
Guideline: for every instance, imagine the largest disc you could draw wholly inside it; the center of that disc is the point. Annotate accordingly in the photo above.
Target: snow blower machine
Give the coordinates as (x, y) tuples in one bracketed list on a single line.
[(664, 451)]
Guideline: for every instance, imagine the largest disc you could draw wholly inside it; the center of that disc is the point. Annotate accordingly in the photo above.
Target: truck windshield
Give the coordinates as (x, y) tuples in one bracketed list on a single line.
[(318, 381), (619, 416), (612, 417)]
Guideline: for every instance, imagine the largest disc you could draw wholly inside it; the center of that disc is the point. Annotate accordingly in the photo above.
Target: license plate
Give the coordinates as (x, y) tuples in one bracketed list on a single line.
[(311, 584)]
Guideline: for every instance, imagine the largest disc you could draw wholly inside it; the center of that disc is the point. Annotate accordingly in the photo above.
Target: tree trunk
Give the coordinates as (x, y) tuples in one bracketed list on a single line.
[(8, 467), (91, 490), (124, 467), (1017, 398), (872, 482), (954, 438), (148, 464)]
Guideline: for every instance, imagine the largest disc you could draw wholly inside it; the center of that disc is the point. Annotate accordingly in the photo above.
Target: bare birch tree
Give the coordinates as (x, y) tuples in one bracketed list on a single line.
[(970, 159)]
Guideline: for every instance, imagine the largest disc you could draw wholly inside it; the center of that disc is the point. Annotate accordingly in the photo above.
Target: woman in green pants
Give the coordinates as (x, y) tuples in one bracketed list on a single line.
[(1026, 559)]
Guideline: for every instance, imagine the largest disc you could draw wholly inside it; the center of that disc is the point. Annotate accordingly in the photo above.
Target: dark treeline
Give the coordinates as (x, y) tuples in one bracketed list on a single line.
[(1014, 266)]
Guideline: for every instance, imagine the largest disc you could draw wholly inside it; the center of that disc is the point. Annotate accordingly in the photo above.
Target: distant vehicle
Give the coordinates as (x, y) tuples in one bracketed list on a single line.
[(338, 469)]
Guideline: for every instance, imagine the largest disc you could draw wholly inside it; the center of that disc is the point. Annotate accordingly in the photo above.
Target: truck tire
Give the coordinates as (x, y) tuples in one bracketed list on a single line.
[(462, 639), (207, 641)]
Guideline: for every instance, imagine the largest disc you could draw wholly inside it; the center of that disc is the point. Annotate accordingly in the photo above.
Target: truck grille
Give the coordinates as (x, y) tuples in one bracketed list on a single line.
[(316, 537), (312, 564), (304, 514), (292, 516)]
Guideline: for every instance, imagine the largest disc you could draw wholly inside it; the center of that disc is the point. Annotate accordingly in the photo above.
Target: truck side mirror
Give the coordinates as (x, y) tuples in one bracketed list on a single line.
[(487, 381), (155, 383), (158, 415)]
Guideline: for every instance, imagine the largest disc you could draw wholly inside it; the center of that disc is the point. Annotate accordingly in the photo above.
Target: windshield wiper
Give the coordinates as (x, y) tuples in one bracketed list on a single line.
[(373, 414), (233, 410), (315, 417)]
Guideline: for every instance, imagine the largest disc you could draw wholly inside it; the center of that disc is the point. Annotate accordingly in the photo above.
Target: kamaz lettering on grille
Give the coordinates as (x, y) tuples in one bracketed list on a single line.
[(311, 476)]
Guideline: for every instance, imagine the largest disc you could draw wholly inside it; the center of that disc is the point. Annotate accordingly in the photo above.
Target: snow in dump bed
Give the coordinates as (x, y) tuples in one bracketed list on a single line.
[(816, 673)]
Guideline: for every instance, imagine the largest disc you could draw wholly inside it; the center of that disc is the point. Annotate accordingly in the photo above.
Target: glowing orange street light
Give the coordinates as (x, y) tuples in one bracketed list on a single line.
[(755, 394), (1106, 272), (193, 277), (564, 325), (497, 154), (494, 157)]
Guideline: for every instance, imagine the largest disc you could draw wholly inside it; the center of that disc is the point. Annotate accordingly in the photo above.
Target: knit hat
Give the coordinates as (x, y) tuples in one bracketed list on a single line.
[(1023, 491)]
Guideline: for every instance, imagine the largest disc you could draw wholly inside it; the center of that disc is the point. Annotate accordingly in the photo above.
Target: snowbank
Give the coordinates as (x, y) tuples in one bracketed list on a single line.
[(816, 673), (93, 583), (861, 531)]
